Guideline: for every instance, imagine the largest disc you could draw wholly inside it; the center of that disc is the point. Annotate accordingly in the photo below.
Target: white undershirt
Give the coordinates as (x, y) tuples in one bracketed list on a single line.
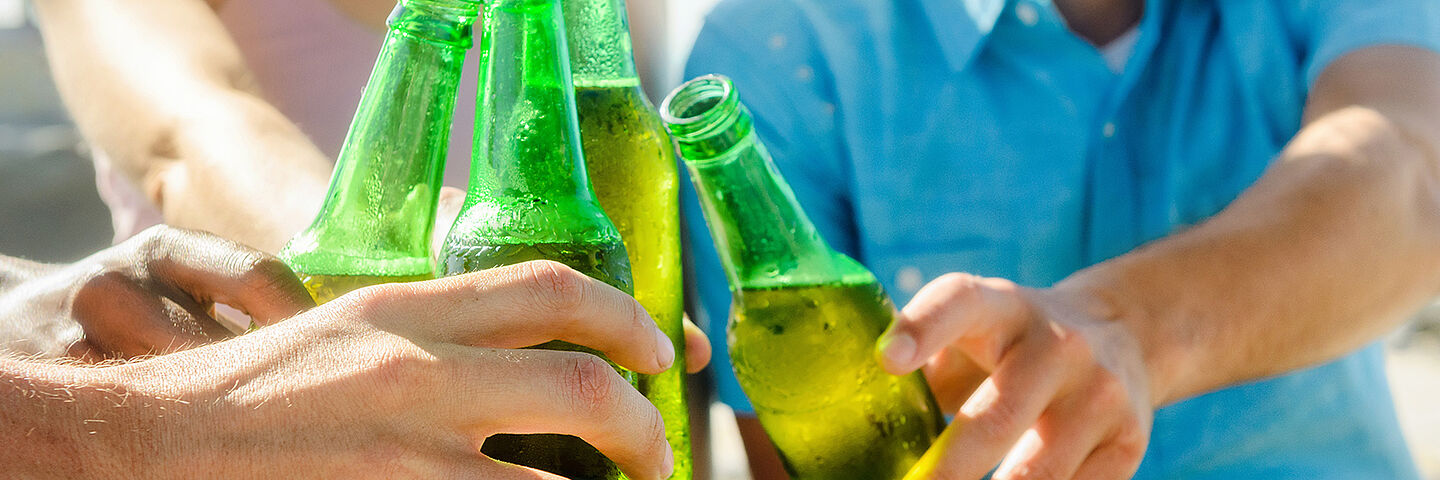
[(1118, 52)]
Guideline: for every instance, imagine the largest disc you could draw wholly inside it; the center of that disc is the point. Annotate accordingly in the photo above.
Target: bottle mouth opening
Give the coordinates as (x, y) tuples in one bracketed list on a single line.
[(700, 107), (448, 22)]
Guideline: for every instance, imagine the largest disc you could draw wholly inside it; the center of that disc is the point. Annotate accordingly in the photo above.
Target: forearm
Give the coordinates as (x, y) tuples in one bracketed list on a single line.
[(63, 422), (1334, 245), (160, 87)]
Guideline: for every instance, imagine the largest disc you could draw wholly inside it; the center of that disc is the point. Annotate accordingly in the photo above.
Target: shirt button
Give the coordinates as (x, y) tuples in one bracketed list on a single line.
[(1027, 14), (777, 42), (804, 73), (1108, 130), (909, 279)]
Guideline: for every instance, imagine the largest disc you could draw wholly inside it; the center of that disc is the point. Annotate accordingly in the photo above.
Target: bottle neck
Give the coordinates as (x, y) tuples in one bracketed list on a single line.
[(601, 53), (762, 235), (447, 22), (527, 143), (382, 197)]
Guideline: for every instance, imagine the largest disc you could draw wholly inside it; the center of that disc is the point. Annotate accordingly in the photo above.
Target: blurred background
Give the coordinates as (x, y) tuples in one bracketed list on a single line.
[(49, 211)]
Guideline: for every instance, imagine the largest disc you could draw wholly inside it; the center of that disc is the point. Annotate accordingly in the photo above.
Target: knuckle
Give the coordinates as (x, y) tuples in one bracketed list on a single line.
[(638, 315), (997, 284), (589, 383), (370, 296), (655, 431), (999, 422), (367, 304), (156, 235), (401, 369), (1108, 391), (555, 285), (154, 243), (264, 271), (958, 285)]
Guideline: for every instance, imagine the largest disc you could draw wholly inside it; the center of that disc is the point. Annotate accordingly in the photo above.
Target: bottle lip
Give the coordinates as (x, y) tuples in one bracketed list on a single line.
[(701, 107), (446, 22)]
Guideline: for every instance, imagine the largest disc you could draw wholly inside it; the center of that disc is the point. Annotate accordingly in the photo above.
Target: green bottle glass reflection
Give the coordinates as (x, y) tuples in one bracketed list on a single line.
[(632, 166), (805, 318), (376, 223), (529, 197)]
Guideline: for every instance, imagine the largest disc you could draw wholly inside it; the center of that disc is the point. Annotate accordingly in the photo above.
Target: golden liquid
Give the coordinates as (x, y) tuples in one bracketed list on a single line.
[(632, 166), (806, 358), (324, 288)]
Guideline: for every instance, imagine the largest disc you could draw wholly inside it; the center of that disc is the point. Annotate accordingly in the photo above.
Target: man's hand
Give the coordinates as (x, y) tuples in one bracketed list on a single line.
[(391, 381), (153, 294), (1331, 248), (1067, 393)]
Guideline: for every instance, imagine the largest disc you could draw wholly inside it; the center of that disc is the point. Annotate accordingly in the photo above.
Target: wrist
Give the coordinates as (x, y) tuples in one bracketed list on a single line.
[(1167, 346)]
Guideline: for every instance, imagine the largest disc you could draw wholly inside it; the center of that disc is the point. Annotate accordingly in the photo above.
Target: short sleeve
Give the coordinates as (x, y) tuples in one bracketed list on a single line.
[(768, 51), (1333, 28)]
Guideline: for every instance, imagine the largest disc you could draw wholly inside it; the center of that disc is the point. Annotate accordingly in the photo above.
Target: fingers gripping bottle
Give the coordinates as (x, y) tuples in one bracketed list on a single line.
[(804, 318), (376, 223), (632, 166), (529, 197)]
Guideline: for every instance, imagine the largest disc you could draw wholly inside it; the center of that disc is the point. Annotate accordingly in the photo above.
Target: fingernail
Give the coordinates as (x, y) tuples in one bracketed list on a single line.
[(665, 354), (897, 350)]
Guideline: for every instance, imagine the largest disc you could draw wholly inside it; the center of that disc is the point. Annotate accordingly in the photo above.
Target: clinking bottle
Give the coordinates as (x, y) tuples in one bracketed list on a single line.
[(804, 318)]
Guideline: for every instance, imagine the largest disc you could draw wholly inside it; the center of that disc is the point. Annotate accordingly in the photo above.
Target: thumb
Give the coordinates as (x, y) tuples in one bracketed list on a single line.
[(979, 315), (212, 269)]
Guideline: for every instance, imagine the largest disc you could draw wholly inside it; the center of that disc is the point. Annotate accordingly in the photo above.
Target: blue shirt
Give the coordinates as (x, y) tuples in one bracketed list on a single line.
[(931, 136)]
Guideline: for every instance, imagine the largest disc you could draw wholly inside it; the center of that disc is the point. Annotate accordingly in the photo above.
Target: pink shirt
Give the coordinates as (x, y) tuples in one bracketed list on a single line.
[(311, 63)]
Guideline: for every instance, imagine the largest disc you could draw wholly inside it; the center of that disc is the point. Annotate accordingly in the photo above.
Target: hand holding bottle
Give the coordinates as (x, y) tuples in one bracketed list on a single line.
[(152, 294), (1042, 379), (391, 381)]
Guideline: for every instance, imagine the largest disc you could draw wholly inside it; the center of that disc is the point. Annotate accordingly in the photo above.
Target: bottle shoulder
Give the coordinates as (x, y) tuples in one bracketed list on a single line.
[(313, 253), (825, 267), (532, 220)]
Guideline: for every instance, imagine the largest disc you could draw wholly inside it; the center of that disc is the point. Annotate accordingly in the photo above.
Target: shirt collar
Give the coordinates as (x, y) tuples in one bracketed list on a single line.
[(961, 26)]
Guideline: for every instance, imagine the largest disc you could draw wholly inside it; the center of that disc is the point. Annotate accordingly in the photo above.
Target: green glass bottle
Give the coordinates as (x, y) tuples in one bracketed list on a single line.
[(805, 318), (376, 224), (632, 166), (529, 197)]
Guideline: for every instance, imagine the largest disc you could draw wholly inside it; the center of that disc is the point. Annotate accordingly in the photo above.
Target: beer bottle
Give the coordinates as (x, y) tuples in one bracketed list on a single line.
[(632, 166), (805, 318), (529, 197), (376, 223)]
